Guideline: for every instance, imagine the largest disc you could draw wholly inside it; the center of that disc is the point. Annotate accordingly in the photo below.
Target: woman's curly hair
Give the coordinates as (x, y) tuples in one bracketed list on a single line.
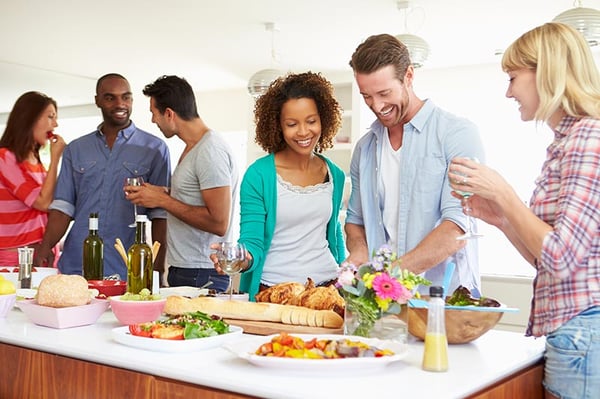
[(267, 110)]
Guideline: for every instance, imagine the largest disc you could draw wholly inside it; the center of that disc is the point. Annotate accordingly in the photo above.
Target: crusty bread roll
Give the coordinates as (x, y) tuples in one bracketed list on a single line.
[(240, 310), (63, 290)]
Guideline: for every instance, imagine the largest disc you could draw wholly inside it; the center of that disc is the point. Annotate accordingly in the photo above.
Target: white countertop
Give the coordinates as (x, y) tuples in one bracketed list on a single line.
[(473, 366)]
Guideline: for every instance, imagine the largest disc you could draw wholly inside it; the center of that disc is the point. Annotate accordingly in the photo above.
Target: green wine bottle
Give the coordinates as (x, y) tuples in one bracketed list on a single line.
[(93, 252), (139, 259)]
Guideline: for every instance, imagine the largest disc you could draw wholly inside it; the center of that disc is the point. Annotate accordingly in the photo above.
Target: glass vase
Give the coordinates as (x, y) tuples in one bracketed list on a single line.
[(391, 327)]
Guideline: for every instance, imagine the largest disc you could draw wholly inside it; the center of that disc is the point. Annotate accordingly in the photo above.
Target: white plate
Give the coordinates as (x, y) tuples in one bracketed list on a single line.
[(26, 293), (122, 336), (190, 292), (245, 349)]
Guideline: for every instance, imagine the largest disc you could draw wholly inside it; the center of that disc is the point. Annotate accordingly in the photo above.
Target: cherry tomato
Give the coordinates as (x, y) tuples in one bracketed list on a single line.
[(141, 330)]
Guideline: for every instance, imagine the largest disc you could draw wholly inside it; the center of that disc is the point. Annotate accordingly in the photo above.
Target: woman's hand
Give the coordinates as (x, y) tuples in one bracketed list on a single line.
[(488, 189), (57, 146), (215, 260)]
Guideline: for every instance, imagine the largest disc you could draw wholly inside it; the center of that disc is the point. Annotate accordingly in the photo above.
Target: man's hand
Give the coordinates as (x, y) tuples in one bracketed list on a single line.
[(146, 195)]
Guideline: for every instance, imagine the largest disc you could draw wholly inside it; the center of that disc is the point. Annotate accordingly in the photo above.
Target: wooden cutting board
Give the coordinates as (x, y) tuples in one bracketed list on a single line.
[(268, 328)]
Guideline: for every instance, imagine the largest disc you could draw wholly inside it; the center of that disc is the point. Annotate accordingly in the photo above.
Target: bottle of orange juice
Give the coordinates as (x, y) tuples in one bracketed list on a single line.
[(435, 354)]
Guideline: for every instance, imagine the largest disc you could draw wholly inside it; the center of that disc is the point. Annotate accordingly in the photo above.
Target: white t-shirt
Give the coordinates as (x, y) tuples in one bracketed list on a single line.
[(299, 248), (389, 185)]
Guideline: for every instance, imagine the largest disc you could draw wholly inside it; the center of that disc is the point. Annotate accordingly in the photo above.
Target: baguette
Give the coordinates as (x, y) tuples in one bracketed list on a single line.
[(239, 310)]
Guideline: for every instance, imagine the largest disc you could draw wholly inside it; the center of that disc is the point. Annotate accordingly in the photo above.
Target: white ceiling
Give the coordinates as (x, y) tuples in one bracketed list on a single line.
[(61, 47)]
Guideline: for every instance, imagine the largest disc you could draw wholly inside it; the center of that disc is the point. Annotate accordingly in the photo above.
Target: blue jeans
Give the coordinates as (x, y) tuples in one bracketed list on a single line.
[(179, 276), (572, 357)]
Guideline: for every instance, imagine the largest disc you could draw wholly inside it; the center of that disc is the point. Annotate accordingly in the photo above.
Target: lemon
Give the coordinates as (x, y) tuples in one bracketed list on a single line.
[(7, 287), (1, 277)]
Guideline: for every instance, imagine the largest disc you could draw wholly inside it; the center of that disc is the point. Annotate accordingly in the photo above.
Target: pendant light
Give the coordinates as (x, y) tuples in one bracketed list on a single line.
[(261, 80), (585, 20), (418, 48)]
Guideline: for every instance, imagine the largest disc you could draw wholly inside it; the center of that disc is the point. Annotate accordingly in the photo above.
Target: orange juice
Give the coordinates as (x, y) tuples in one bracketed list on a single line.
[(435, 355)]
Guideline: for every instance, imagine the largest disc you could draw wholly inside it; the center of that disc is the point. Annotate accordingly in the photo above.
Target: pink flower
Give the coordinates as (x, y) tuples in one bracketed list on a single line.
[(346, 277), (405, 295), (387, 287)]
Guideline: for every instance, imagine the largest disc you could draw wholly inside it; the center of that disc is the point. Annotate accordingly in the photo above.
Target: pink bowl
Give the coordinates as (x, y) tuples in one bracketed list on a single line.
[(135, 312), (71, 316), (6, 303)]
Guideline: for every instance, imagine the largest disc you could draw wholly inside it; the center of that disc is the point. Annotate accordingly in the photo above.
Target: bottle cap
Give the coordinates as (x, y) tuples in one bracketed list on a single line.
[(436, 291), (141, 218)]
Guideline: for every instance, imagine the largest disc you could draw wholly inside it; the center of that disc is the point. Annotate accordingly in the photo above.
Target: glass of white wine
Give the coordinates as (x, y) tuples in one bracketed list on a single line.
[(470, 233), (231, 256), (134, 181)]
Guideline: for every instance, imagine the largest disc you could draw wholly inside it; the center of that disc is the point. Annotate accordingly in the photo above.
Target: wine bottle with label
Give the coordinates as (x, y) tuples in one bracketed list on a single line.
[(139, 259), (93, 252)]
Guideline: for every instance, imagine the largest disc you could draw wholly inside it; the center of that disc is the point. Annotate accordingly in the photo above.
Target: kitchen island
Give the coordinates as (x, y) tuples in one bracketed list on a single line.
[(85, 362)]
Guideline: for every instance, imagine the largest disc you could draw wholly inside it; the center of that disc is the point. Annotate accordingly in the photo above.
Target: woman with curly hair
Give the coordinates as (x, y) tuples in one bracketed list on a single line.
[(290, 198)]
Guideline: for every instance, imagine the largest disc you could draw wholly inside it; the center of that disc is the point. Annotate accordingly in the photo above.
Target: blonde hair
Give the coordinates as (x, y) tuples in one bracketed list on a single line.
[(567, 78)]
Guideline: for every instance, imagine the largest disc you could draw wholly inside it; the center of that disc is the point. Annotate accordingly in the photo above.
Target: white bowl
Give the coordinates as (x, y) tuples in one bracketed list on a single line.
[(11, 273), (6, 303)]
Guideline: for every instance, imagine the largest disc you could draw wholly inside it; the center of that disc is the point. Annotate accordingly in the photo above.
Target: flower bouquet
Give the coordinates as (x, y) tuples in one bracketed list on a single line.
[(376, 289)]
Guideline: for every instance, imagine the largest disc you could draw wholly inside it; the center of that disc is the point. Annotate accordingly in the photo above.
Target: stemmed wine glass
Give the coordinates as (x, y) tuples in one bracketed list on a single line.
[(231, 256), (134, 181), (469, 234)]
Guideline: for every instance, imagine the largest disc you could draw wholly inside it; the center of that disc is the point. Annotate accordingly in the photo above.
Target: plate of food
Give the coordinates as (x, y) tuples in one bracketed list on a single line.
[(183, 333), (324, 353)]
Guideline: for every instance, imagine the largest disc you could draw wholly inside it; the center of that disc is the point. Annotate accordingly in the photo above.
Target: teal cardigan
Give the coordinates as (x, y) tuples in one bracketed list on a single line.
[(258, 203)]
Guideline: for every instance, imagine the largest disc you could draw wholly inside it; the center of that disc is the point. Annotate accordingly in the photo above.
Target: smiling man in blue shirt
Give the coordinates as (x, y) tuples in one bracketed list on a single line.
[(400, 190), (91, 179)]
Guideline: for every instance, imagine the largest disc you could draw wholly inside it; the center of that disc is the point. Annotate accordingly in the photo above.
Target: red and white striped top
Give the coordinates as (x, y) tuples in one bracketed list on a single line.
[(20, 185)]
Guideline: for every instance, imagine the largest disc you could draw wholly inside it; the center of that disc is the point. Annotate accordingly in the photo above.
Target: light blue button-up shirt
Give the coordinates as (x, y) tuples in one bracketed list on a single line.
[(91, 180), (431, 140)]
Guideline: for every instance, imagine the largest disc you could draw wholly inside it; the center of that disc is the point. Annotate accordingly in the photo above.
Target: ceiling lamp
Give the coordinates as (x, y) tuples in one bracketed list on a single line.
[(418, 49), (585, 20), (261, 80)]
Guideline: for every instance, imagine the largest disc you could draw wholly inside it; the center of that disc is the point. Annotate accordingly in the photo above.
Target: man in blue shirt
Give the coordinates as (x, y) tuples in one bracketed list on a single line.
[(92, 174), (400, 190)]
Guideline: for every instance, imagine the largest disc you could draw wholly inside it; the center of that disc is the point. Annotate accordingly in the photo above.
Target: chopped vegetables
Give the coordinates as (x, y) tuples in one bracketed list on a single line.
[(285, 345), (186, 326), (462, 297)]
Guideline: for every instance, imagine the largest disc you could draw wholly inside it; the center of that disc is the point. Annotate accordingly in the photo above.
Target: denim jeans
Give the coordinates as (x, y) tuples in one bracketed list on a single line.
[(179, 276), (572, 369)]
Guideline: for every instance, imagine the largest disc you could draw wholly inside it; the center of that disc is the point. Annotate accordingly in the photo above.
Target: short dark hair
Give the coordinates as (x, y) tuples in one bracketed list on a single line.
[(18, 134), (379, 51), (175, 93), (267, 110), (108, 75)]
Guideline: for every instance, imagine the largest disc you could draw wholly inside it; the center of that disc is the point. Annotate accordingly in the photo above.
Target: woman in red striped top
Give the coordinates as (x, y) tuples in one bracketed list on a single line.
[(26, 187)]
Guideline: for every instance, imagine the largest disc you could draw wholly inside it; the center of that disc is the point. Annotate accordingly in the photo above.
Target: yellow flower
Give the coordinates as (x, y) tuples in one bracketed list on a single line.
[(383, 304), (368, 279)]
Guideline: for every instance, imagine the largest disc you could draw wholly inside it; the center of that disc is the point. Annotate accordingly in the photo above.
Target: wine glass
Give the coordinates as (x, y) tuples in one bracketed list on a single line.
[(469, 234), (134, 181), (231, 256)]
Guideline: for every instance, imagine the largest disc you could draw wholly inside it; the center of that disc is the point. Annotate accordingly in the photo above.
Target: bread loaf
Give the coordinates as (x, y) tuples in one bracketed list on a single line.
[(240, 310), (63, 290)]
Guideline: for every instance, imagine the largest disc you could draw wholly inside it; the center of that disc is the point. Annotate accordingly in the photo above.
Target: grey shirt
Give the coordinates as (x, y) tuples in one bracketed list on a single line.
[(209, 164)]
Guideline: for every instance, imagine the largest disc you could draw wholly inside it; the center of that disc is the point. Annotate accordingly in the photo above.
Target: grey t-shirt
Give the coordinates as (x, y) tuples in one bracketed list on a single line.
[(209, 164)]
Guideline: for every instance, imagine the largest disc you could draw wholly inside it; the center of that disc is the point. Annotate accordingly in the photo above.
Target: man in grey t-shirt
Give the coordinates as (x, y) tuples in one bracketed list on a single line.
[(202, 198)]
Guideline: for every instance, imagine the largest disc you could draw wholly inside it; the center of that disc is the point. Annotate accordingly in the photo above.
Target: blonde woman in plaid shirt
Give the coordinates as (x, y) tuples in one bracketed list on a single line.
[(552, 75)]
